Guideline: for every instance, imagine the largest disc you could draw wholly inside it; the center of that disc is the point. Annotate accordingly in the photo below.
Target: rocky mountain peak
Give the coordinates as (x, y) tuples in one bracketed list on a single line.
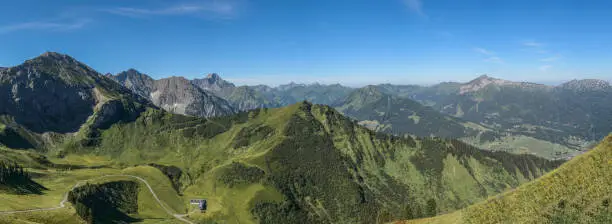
[(586, 85), (213, 77), (50, 54), (180, 95), (53, 57), (131, 74), (56, 93), (214, 83), (139, 83), (485, 79), (481, 82)]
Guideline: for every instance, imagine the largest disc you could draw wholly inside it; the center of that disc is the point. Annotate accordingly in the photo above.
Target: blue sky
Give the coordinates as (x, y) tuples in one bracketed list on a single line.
[(353, 42)]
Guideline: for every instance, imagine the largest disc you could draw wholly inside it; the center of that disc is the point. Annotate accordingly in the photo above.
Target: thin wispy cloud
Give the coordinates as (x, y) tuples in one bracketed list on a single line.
[(550, 59), (532, 44), (489, 55), (45, 25), (483, 51), (540, 48), (219, 8), (416, 6), (545, 68)]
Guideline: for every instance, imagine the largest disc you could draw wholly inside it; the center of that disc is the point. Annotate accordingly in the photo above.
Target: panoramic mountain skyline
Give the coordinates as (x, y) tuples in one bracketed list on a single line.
[(326, 112), (353, 43)]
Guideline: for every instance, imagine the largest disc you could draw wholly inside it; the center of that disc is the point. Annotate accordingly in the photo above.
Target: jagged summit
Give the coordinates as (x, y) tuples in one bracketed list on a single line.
[(485, 80), (484, 77), (479, 83), (132, 70), (53, 57), (130, 73), (140, 83), (56, 93), (213, 76), (51, 54), (586, 85), (214, 83), (179, 95)]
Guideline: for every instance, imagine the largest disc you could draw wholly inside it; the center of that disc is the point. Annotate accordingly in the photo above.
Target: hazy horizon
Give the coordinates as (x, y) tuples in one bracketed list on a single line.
[(362, 81)]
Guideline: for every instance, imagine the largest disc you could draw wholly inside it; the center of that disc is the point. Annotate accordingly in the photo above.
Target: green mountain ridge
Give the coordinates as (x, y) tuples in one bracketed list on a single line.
[(308, 163), (318, 162), (397, 115)]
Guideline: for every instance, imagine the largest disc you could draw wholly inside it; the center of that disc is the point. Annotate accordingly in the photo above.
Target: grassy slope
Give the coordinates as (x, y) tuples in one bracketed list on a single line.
[(59, 180), (318, 166), (377, 164), (577, 192)]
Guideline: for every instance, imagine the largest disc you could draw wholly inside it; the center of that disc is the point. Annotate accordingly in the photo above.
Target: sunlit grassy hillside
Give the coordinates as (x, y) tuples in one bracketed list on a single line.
[(308, 162), (58, 178), (579, 191), (301, 163)]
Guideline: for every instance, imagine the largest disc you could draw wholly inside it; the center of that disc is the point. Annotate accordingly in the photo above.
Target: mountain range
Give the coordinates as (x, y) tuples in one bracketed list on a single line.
[(175, 94), (487, 112), (372, 155)]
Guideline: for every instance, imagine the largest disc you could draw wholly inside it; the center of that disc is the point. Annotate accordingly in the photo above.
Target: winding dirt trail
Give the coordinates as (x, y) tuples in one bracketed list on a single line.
[(62, 203)]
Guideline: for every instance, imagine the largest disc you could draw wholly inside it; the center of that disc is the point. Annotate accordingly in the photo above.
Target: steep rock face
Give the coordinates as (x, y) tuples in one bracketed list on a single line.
[(242, 98), (43, 103), (178, 95), (55, 93), (215, 84), (140, 83), (46, 93)]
